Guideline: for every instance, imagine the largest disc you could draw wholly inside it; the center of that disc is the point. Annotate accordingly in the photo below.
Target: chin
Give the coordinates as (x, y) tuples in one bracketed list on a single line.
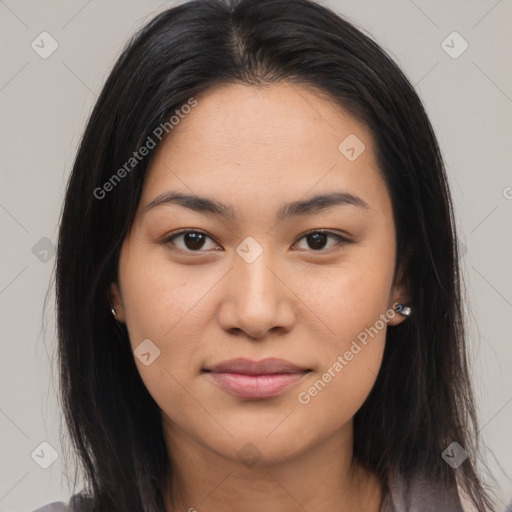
[(250, 448)]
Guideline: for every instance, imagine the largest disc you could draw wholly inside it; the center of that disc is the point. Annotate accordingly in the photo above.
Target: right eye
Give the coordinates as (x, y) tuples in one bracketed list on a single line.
[(191, 240)]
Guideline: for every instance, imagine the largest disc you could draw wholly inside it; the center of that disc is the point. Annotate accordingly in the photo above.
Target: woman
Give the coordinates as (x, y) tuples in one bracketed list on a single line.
[(216, 351)]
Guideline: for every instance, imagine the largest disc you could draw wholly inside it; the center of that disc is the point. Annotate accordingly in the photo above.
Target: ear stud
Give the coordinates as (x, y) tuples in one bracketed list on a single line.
[(403, 310)]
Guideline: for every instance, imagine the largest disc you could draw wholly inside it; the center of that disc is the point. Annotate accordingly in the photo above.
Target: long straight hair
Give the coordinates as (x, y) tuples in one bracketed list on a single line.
[(422, 399)]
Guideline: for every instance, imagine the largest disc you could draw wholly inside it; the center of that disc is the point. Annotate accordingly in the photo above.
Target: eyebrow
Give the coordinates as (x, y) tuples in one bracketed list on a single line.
[(314, 204)]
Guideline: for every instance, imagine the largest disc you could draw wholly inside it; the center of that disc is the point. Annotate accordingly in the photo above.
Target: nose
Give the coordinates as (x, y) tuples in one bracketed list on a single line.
[(257, 298)]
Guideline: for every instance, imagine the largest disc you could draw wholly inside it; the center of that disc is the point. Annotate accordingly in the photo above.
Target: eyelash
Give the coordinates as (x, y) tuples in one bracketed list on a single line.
[(341, 240)]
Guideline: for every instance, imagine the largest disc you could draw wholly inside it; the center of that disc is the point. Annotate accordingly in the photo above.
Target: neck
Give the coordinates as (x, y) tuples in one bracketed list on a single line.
[(324, 478)]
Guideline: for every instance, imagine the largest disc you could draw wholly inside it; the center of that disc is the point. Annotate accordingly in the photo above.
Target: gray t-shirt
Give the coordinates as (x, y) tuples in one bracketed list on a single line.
[(420, 496)]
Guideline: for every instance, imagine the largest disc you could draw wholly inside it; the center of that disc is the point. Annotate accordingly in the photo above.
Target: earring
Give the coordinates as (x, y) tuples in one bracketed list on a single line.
[(403, 309), (113, 311)]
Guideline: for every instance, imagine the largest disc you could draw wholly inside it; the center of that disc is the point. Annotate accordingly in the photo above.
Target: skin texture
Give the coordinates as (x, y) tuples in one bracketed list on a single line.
[(256, 149)]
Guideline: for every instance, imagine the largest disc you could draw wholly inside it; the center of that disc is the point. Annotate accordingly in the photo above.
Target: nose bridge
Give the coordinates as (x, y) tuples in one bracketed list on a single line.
[(257, 297), (252, 269)]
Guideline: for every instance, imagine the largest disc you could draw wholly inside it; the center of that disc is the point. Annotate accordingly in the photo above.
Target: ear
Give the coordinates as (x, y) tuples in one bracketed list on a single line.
[(116, 301), (400, 293)]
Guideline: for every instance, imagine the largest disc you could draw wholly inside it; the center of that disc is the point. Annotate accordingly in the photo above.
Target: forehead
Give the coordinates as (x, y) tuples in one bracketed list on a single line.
[(248, 145), (279, 117)]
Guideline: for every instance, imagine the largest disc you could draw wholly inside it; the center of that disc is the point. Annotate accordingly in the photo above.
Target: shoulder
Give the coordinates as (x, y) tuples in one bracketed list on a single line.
[(56, 506), (77, 503), (421, 494)]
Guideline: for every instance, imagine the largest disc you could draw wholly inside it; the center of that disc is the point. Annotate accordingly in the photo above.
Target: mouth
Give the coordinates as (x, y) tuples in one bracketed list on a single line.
[(255, 379)]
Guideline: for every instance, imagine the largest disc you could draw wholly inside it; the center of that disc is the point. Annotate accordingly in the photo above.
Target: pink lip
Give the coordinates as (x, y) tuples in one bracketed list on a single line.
[(256, 379)]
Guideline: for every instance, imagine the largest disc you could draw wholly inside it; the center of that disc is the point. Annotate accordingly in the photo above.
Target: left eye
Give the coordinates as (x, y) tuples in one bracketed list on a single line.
[(193, 241), (318, 239)]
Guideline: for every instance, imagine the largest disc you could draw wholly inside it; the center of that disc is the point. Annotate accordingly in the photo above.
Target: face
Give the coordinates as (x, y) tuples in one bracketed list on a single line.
[(310, 284)]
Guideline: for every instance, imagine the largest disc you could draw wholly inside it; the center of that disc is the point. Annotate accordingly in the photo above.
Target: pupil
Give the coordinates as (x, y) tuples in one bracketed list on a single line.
[(193, 240), (319, 238)]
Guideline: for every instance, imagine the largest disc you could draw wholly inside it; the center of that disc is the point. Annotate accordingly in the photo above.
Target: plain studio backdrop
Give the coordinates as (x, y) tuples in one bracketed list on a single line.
[(456, 53)]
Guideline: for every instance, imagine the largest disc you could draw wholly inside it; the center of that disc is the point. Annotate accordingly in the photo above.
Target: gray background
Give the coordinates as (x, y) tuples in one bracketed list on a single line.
[(44, 104)]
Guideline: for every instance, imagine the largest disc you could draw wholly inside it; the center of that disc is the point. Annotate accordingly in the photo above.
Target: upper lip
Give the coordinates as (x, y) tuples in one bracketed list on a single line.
[(267, 366)]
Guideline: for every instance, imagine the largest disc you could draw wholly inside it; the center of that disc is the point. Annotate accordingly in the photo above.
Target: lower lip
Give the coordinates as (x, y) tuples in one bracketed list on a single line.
[(256, 386)]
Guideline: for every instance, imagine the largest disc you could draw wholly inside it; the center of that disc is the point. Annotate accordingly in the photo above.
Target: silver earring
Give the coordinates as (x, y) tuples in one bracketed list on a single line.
[(403, 309), (113, 311)]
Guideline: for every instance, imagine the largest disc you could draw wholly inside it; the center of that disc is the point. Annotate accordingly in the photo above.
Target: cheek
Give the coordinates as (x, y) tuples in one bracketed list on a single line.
[(350, 359), (333, 397), (166, 305), (161, 306), (159, 297), (353, 303), (352, 296)]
